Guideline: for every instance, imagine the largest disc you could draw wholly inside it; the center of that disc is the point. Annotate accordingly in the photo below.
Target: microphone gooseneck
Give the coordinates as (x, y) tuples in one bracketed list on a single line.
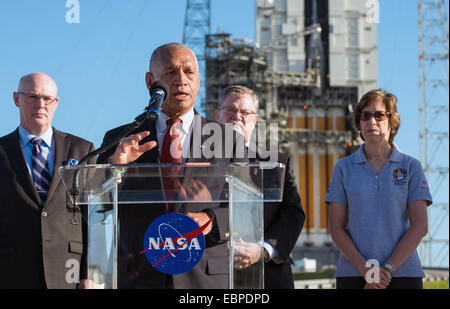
[(158, 92)]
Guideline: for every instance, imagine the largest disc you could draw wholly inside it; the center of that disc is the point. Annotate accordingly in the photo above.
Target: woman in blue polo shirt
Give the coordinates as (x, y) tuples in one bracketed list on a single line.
[(378, 200)]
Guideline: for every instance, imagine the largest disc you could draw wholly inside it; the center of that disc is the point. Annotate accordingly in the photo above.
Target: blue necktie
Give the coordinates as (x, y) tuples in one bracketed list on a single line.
[(41, 172)]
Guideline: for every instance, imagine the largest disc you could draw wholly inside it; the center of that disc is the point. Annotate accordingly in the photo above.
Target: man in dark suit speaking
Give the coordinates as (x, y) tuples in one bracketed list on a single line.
[(41, 241), (171, 139)]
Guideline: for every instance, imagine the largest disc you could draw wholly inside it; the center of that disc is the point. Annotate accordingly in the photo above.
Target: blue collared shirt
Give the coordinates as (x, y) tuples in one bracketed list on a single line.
[(48, 147), (377, 206)]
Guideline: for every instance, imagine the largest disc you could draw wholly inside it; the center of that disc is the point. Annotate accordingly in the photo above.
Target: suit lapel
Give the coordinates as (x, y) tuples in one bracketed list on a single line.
[(62, 146), (17, 159), (197, 140)]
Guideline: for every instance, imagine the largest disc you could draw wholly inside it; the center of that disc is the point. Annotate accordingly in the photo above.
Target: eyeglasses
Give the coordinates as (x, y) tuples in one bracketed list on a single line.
[(232, 110), (378, 115), (31, 97)]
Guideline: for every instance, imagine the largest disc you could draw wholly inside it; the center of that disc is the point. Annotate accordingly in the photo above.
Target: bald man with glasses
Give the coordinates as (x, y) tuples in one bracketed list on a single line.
[(41, 239)]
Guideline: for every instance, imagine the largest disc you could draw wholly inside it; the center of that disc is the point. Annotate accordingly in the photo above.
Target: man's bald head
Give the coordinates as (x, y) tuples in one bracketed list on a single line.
[(165, 48), (38, 78), (37, 101)]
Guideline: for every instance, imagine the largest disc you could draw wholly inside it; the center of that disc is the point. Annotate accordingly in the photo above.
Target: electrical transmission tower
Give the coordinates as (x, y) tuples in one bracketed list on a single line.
[(197, 24), (434, 126)]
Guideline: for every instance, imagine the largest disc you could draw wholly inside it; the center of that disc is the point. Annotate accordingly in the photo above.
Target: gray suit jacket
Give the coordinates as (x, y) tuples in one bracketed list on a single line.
[(35, 243)]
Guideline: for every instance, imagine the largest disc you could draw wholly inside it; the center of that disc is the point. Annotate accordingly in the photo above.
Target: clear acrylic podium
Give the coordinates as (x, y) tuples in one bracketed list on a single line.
[(111, 194)]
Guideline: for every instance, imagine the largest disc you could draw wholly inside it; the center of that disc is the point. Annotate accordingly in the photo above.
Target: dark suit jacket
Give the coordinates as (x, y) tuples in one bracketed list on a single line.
[(283, 223), (134, 270), (35, 243)]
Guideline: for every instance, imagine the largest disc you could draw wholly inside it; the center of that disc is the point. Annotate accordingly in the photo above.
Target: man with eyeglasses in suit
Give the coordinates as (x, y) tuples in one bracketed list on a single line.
[(283, 221), (39, 234)]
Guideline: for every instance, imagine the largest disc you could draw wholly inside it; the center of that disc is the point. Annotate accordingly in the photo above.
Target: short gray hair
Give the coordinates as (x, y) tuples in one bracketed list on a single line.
[(237, 91), (157, 52)]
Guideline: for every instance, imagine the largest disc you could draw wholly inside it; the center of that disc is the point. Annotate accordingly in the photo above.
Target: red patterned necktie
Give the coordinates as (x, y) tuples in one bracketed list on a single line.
[(171, 148), (171, 153)]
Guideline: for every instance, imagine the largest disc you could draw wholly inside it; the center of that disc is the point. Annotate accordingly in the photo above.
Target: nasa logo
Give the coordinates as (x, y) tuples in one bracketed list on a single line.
[(399, 176), (174, 243)]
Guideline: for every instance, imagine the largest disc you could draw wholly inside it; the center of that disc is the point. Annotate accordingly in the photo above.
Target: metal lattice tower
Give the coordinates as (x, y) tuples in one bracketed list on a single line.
[(197, 24), (433, 125)]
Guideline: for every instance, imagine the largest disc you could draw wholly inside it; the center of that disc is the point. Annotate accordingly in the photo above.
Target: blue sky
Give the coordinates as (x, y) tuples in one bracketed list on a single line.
[(100, 63)]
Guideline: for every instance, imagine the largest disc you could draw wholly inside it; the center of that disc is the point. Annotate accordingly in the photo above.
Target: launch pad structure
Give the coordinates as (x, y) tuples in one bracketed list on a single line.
[(311, 63)]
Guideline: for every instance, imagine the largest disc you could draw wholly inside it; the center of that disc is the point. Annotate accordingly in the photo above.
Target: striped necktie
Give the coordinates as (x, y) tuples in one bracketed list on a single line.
[(41, 172)]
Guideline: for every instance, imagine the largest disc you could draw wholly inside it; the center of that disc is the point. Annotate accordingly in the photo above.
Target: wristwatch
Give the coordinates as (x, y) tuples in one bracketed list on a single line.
[(389, 268), (266, 255)]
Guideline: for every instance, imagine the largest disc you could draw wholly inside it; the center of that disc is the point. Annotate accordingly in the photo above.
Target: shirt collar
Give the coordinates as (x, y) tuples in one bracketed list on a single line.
[(396, 155), (25, 136), (187, 120), (360, 156)]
